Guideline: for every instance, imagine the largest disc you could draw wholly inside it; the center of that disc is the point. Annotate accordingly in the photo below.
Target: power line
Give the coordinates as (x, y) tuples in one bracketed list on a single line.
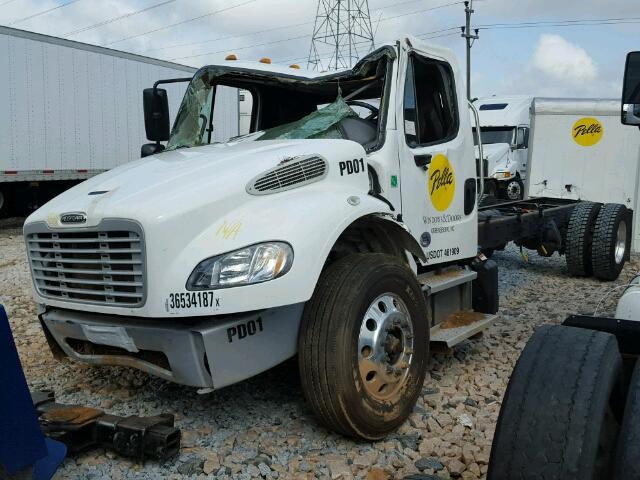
[(115, 19), (182, 22), (199, 42), (255, 45), (43, 12), (5, 3), (225, 38), (570, 23), (421, 11), (543, 23), (585, 21), (299, 37), (239, 48)]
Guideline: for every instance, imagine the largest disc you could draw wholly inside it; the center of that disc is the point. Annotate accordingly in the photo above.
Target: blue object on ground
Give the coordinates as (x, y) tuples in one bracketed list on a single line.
[(46, 467), (22, 444)]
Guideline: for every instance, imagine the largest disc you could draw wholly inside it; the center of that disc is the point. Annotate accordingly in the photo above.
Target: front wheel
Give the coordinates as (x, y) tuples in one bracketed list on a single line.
[(364, 345)]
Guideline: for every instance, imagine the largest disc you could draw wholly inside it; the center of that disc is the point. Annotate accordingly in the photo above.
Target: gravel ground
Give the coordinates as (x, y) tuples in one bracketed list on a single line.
[(262, 427)]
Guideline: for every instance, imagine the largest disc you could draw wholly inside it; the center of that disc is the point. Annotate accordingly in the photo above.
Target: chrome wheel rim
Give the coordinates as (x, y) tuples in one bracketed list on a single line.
[(513, 191), (385, 347), (621, 242)]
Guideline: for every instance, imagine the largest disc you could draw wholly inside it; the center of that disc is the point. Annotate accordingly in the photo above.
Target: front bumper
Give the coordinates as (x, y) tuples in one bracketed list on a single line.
[(213, 351)]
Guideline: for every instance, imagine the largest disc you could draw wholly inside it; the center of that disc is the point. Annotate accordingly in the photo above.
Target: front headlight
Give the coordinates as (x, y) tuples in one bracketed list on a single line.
[(255, 264), (501, 175)]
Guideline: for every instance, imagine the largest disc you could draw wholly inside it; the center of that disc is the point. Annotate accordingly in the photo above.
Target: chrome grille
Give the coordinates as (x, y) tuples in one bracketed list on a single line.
[(292, 174), (103, 266)]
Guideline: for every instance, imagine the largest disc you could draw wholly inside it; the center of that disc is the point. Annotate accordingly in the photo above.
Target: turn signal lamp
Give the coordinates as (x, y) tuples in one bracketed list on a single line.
[(231, 57), (295, 65), (266, 60)]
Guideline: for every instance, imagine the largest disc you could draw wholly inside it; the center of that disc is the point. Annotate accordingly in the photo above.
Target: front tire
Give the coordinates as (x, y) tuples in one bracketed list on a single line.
[(364, 345)]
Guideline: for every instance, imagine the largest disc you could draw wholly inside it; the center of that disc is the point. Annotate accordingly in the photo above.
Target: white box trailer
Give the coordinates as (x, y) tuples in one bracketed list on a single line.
[(579, 149), (72, 110)]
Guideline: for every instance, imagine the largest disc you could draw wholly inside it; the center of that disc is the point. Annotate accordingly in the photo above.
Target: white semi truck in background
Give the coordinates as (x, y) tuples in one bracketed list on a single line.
[(504, 124), (72, 110), (561, 148)]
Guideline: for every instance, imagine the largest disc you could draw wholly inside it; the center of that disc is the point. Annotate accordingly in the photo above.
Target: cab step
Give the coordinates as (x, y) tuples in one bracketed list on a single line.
[(460, 326), (434, 282)]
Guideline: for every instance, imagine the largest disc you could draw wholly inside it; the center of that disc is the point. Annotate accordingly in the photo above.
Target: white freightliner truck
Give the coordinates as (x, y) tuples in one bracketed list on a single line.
[(504, 124), (211, 262), (351, 242)]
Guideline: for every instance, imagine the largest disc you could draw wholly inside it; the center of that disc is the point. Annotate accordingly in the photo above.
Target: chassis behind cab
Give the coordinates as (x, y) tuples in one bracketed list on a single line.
[(349, 239)]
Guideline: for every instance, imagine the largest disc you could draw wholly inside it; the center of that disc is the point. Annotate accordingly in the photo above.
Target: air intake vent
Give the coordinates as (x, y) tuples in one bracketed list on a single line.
[(291, 174)]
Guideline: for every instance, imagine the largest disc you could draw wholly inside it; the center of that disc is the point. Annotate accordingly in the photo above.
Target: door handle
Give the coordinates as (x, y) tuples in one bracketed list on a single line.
[(422, 160)]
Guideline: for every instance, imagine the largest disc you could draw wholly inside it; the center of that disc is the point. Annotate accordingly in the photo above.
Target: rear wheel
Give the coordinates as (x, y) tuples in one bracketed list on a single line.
[(363, 345), (556, 420), (580, 238), (513, 189), (610, 241)]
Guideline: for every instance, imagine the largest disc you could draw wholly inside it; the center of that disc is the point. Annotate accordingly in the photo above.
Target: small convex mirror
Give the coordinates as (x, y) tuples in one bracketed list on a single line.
[(631, 90)]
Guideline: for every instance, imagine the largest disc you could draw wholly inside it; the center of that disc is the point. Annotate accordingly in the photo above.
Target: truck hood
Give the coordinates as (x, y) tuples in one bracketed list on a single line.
[(186, 180), (497, 155)]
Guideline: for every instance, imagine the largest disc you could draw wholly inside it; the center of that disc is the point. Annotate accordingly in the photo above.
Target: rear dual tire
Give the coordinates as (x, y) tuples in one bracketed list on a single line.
[(597, 240), (364, 345)]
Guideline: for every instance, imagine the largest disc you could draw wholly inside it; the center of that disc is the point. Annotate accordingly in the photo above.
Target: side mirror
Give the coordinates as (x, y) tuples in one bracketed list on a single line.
[(156, 114), (522, 138), (151, 149), (631, 90)]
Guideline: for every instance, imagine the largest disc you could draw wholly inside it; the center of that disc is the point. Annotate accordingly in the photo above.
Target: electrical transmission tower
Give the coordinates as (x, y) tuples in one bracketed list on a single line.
[(341, 34)]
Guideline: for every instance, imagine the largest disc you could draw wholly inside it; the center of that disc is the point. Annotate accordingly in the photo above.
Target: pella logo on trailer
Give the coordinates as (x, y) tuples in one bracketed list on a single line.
[(73, 218)]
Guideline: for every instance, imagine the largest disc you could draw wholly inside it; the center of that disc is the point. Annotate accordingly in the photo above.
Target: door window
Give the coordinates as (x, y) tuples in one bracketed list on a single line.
[(430, 114)]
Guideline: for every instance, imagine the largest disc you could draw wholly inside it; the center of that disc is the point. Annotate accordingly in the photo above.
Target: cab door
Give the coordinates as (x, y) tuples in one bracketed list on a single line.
[(437, 164)]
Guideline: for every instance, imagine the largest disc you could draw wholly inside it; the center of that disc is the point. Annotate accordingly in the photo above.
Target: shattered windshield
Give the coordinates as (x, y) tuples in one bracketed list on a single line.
[(193, 125), (283, 105)]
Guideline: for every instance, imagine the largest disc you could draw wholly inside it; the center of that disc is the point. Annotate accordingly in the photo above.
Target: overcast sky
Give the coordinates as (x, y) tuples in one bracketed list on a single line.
[(575, 61)]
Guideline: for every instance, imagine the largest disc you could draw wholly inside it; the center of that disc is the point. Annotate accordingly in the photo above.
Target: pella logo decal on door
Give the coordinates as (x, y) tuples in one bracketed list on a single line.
[(442, 182), (587, 131)]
